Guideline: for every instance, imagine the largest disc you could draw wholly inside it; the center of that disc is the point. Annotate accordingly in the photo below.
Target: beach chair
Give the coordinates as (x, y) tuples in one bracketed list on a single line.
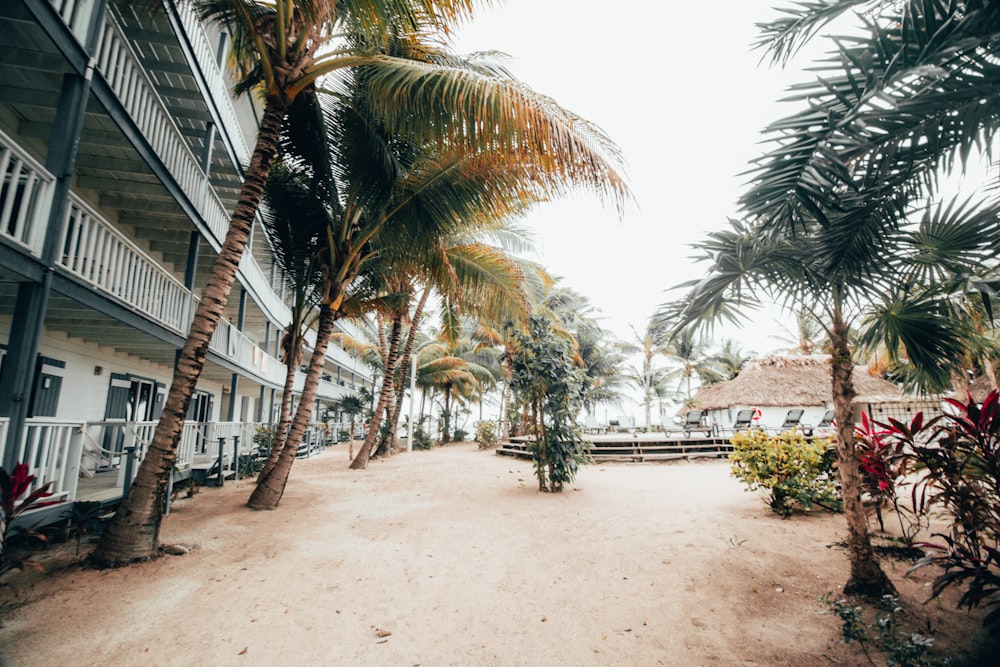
[(744, 420), (792, 419), (826, 426), (694, 422)]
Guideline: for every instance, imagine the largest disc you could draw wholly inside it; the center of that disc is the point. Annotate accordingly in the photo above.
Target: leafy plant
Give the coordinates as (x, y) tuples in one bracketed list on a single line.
[(795, 471), (85, 518), (884, 632), (956, 458), (883, 472), (420, 438), (486, 435), (547, 379), (12, 487), (459, 435)]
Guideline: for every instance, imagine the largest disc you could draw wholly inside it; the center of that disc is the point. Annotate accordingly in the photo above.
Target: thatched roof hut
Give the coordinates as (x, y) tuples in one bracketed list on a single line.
[(778, 381)]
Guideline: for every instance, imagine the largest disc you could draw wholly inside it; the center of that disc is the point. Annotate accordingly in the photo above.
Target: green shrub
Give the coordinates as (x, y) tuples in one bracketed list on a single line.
[(459, 435), (955, 462), (796, 472), (882, 630), (486, 435), (420, 439)]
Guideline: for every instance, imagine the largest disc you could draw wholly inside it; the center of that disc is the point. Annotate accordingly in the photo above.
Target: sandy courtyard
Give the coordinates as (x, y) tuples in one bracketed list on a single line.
[(452, 557)]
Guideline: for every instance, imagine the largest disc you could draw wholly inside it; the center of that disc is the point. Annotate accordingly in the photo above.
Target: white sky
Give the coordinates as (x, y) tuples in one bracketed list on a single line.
[(678, 88)]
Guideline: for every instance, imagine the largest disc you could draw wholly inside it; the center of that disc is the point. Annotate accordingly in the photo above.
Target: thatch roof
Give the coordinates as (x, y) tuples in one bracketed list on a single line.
[(791, 381)]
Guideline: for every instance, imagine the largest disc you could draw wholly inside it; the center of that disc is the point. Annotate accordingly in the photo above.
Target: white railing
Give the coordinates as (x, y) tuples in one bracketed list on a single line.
[(25, 196), (123, 72), (259, 284), (52, 449), (100, 255), (230, 342), (205, 55), (76, 14)]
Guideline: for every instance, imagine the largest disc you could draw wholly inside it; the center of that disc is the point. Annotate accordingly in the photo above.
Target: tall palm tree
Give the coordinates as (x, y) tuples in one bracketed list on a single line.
[(279, 49), (690, 356), (729, 361), (913, 94), (392, 196), (649, 344), (483, 279)]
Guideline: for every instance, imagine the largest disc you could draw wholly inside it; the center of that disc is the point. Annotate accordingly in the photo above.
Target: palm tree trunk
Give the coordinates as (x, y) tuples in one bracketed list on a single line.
[(293, 357), (404, 362), (133, 533), (360, 461), (271, 487), (867, 578)]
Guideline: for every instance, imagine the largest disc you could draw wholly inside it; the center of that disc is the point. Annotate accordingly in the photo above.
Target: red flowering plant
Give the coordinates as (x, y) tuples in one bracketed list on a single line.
[(883, 469), (956, 461), (12, 487)]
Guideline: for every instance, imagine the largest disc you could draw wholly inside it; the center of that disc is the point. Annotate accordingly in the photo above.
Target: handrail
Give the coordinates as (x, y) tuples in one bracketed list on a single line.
[(25, 196), (204, 54), (103, 257)]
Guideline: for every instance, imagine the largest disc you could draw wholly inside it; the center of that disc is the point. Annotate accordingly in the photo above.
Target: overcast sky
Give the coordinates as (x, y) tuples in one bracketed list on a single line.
[(677, 86)]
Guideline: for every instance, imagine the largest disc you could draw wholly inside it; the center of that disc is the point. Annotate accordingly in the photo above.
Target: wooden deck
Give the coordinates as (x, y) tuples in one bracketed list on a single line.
[(637, 447)]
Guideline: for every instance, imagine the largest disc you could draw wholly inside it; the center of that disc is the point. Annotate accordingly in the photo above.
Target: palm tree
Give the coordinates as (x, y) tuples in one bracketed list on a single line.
[(279, 50), (913, 94), (650, 344), (730, 360), (351, 405), (483, 279), (691, 358), (392, 197)]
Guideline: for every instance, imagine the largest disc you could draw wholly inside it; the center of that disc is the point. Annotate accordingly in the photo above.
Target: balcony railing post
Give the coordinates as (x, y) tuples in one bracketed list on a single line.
[(236, 456), (129, 465), (222, 476)]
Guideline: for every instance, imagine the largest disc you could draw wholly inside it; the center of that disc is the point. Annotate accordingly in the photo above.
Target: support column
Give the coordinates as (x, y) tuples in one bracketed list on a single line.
[(234, 383), (28, 319)]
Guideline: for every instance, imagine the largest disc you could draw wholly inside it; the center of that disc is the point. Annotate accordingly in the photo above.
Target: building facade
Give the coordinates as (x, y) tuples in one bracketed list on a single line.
[(121, 158)]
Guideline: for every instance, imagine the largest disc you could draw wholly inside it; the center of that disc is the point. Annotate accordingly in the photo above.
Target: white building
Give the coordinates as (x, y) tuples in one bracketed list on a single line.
[(121, 154)]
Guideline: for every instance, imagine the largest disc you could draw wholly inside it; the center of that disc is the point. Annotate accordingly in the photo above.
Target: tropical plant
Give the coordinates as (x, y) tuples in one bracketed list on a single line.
[(486, 435), (16, 498), (884, 477), (796, 472), (832, 205), (883, 630), (351, 405), (647, 379), (956, 460), (279, 49), (546, 375), (404, 206)]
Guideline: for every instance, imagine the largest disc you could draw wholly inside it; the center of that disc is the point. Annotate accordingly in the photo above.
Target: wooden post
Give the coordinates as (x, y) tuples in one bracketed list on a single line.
[(236, 456), (222, 478)]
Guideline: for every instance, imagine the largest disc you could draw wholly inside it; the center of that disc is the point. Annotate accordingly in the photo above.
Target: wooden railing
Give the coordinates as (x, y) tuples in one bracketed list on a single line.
[(59, 451), (52, 449), (25, 196), (205, 54), (121, 69), (100, 255), (77, 15)]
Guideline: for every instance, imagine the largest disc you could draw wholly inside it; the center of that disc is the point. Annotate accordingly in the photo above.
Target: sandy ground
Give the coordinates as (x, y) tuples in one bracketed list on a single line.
[(452, 557)]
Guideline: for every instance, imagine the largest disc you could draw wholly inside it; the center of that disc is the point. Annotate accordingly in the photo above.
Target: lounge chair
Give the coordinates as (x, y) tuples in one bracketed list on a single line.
[(792, 419), (826, 426), (694, 422), (744, 420), (591, 425)]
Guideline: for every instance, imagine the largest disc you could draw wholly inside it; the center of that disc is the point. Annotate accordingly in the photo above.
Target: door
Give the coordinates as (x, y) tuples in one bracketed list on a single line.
[(47, 387)]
